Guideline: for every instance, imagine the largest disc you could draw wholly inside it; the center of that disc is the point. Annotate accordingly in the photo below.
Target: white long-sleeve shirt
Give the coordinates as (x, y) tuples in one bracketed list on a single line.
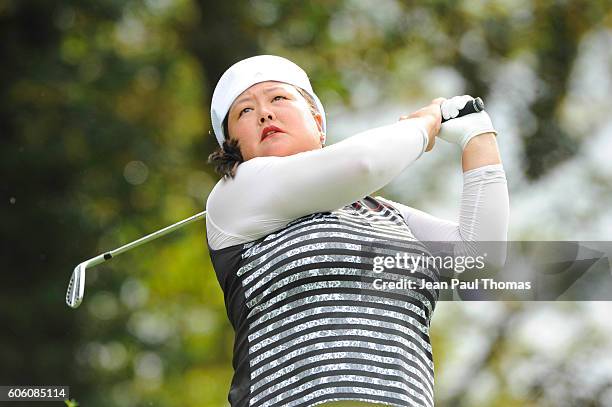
[(269, 192)]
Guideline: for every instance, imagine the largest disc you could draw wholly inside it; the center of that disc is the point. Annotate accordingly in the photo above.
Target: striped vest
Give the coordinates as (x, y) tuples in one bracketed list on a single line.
[(310, 324)]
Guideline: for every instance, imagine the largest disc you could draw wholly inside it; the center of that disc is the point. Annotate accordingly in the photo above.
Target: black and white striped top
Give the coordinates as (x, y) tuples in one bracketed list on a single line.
[(310, 325)]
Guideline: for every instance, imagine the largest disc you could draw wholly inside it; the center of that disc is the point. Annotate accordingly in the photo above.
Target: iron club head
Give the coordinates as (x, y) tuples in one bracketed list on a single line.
[(76, 286)]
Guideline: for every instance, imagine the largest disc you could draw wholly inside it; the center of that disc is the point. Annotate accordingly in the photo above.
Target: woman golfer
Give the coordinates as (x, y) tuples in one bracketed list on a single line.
[(293, 235)]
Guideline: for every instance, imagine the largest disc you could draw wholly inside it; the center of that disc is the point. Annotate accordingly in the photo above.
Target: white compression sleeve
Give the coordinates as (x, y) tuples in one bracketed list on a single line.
[(269, 192), (483, 215)]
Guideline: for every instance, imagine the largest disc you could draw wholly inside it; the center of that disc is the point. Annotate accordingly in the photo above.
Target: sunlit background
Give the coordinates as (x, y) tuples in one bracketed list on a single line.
[(104, 122)]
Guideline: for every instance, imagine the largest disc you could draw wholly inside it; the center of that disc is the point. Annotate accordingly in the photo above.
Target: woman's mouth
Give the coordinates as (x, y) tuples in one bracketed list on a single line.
[(270, 131)]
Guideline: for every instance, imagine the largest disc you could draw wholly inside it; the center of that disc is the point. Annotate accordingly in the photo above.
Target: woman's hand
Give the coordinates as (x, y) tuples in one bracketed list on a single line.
[(460, 130), (431, 117)]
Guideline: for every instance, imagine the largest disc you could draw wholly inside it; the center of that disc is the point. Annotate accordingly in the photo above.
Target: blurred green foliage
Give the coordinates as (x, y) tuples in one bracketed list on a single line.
[(104, 127)]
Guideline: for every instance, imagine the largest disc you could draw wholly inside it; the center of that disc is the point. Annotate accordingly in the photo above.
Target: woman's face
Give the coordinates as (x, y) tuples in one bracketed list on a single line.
[(273, 119)]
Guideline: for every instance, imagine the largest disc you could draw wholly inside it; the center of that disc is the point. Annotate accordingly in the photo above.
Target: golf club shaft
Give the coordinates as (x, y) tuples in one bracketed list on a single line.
[(152, 236)]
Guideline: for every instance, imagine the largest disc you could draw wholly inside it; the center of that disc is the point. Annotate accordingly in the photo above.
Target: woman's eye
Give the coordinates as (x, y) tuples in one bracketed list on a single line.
[(278, 97), (244, 111)]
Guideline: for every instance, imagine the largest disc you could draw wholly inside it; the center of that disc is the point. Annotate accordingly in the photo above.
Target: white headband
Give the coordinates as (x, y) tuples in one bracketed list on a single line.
[(248, 72)]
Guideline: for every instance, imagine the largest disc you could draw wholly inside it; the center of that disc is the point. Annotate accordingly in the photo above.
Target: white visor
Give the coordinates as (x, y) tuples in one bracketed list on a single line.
[(248, 72)]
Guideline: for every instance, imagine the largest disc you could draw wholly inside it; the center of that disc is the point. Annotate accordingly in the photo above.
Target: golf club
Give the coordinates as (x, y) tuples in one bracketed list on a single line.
[(76, 286)]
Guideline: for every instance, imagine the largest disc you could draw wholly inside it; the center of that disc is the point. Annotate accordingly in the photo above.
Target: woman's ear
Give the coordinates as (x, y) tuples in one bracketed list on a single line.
[(319, 120)]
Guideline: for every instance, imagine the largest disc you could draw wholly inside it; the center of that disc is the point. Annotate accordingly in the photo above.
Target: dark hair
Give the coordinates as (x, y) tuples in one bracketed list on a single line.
[(226, 159)]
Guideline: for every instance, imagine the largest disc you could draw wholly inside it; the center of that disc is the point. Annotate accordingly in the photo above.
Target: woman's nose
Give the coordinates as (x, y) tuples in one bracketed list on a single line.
[(265, 116)]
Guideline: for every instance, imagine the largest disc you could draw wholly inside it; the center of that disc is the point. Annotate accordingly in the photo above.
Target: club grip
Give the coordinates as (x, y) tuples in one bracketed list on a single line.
[(475, 106)]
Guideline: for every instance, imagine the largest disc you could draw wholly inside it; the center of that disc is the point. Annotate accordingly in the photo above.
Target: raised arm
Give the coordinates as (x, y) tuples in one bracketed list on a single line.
[(484, 211), (269, 192)]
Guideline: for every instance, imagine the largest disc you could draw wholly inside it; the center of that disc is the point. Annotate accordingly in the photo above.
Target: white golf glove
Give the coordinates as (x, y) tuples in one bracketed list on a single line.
[(462, 129)]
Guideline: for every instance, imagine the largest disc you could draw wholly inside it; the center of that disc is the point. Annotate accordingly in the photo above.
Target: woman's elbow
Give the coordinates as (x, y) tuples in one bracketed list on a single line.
[(363, 169), (374, 173)]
